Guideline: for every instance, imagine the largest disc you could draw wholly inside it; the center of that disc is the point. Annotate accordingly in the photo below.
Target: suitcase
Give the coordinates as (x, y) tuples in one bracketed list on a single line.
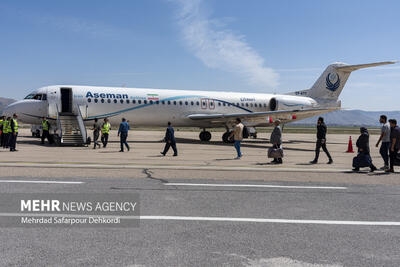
[(275, 153), (362, 160)]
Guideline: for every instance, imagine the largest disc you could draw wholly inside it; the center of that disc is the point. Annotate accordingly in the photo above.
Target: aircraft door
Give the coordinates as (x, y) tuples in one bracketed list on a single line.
[(204, 103), (211, 104), (66, 100), (53, 103)]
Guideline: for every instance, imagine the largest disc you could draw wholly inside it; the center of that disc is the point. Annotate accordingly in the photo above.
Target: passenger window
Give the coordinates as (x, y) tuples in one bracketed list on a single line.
[(108, 100), (115, 101), (180, 103), (174, 102), (163, 102), (89, 100), (219, 103), (139, 101), (157, 102), (133, 101), (127, 101), (44, 97), (96, 100), (186, 103), (169, 102), (151, 102), (122, 101), (144, 101), (102, 100), (197, 103)]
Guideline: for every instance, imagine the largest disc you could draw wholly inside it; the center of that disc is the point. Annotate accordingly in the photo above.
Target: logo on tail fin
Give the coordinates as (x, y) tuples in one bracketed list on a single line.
[(332, 82)]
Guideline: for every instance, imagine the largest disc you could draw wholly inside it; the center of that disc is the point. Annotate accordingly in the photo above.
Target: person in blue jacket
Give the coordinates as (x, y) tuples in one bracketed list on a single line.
[(170, 140), (123, 134)]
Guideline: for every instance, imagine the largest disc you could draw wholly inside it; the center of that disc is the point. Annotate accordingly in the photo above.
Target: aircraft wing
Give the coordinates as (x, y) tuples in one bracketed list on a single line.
[(261, 117)]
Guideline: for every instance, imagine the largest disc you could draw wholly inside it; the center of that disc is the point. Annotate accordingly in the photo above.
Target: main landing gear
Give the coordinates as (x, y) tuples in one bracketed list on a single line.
[(205, 136), (225, 137)]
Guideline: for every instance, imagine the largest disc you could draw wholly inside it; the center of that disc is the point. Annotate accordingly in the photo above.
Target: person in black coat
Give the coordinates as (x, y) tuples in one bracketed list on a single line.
[(321, 141), (170, 140), (363, 151)]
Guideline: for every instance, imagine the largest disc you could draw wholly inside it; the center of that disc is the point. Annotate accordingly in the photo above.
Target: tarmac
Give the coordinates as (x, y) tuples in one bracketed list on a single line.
[(203, 208)]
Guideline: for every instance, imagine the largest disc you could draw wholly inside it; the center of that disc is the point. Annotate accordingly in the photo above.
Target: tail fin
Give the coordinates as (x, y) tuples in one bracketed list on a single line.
[(330, 84)]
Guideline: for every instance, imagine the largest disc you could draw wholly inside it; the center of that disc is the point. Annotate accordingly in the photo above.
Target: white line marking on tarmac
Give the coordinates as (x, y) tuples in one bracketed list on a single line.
[(260, 185), (261, 220), (40, 182), (209, 219)]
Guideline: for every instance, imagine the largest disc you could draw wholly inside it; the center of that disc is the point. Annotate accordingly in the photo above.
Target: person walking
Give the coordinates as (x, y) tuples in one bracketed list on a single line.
[(45, 131), (105, 131), (394, 144), (237, 135), (321, 141), (385, 138), (276, 140), (96, 133), (170, 140), (123, 134), (363, 159), (14, 133), (1, 130)]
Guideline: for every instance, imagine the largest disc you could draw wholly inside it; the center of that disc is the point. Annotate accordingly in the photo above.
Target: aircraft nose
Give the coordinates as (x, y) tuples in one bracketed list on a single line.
[(10, 109), (27, 111)]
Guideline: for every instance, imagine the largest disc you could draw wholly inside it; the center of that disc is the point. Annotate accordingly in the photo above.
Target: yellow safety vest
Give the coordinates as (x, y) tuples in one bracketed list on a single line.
[(15, 125), (1, 124), (45, 125), (7, 127), (5, 122), (106, 128)]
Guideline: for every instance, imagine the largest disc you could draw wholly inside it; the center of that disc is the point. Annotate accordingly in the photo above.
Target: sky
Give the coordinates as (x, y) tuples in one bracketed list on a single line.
[(220, 45)]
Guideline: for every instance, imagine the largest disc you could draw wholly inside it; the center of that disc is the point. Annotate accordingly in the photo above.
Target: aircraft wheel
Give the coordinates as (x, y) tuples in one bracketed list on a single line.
[(205, 136), (225, 137)]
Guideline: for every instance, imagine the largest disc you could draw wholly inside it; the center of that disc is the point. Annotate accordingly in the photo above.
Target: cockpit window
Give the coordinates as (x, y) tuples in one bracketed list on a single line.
[(37, 96), (30, 96)]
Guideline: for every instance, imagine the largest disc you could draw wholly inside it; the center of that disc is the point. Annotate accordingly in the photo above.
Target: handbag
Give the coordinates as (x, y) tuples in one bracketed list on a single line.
[(275, 152)]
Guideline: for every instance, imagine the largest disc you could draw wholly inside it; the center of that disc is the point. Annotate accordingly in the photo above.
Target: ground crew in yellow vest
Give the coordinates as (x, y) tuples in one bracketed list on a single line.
[(45, 131), (14, 133), (105, 130), (2, 118), (6, 132)]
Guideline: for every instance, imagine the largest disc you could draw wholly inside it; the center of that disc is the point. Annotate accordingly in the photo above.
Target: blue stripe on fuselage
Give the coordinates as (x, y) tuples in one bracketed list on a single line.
[(111, 114)]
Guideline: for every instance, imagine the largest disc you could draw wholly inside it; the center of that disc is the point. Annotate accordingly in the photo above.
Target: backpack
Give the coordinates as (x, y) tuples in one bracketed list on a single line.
[(245, 132)]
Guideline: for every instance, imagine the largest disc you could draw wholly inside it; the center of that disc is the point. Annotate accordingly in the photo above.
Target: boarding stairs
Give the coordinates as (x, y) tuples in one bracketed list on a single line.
[(71, 129)]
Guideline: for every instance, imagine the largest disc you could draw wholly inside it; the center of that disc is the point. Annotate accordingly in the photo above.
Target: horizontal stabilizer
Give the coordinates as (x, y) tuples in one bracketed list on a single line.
[(350, 68)]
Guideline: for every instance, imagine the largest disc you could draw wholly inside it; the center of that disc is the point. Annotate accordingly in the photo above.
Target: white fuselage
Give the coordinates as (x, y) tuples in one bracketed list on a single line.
[(151, 107)]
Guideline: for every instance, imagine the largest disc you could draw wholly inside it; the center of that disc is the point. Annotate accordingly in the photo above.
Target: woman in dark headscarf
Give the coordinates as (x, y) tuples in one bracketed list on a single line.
[(363, 158)]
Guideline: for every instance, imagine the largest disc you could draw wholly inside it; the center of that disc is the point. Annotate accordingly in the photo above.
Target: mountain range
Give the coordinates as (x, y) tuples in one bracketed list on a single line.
[(351, 118)]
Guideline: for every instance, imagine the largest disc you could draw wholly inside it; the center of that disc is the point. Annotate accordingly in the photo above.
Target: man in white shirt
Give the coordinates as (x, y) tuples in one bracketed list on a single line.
[(385, 138)]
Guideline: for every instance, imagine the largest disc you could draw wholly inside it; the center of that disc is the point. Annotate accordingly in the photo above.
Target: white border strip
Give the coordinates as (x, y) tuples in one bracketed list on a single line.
[(40, 182), (261, 220), (259, 185)]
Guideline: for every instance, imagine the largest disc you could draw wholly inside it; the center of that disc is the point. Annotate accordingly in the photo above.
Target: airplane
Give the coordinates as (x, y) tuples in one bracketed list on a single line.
[(203, 109)]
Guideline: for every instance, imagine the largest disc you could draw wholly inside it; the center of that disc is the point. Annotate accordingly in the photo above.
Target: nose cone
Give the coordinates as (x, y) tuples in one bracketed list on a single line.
[(10, 109), (28, 111)]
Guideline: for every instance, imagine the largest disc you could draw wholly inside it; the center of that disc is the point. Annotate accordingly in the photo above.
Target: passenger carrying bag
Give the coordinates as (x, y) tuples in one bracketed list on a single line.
[(362, 160), (245, 132), (397, 159), (275, 153)]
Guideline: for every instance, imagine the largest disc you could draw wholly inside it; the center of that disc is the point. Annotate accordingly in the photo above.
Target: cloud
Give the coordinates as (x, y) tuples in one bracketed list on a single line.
[(220, 48)]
